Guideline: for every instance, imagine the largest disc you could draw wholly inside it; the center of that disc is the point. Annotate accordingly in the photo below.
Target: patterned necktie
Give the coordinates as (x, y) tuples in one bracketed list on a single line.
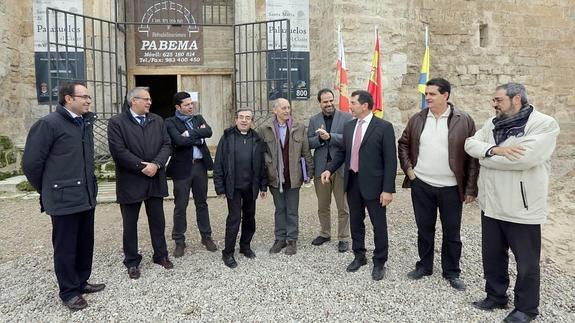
[(354, 164), (141, 120)]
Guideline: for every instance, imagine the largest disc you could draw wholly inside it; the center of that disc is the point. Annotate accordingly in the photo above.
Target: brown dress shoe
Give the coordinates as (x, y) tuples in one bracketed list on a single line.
[(278, 246), (134, 272), (165, 262), (209, 243), (76, 303), (179, 250), (291, 248), (92, 288)]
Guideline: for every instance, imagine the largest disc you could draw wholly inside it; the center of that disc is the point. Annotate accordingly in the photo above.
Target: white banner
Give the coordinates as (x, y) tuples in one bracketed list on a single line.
[(69, 28), (298, 14)]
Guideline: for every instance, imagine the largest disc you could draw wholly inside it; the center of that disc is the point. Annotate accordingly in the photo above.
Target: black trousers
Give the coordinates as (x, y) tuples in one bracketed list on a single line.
[(357, 205), (157, 224), (525, 243), (427, 200), (242, 208), (198, 183), (73, 242)]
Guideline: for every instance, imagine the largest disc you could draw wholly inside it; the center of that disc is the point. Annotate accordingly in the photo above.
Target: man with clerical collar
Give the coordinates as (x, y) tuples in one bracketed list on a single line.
[(239, 176)]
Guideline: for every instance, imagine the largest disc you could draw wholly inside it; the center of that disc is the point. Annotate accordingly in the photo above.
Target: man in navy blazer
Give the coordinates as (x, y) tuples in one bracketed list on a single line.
[(325, 135), (370, 169), (188, 168)]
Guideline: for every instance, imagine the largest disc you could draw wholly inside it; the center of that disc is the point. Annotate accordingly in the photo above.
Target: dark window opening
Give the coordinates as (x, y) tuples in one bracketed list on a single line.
[(483, 35), (162, 89)]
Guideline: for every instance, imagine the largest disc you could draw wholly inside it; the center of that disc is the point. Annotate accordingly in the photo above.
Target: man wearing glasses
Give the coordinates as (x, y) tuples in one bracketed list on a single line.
[(59, 162), (239, 175), (188, 168), (514, 149), (140, 147)]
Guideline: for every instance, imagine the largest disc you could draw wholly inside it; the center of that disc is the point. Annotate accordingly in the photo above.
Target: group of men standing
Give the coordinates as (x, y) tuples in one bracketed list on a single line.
[(354, 159)]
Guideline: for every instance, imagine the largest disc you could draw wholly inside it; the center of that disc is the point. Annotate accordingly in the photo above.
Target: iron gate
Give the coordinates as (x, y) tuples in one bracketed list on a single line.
[(261, 65), (89, 50)]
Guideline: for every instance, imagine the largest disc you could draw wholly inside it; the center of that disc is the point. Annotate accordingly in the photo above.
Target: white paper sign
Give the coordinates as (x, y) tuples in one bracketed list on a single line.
[(69, 28), (298, 14)]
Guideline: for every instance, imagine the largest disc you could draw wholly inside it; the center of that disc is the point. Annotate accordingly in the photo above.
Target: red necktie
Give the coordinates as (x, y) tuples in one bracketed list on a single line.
[(354, 165)]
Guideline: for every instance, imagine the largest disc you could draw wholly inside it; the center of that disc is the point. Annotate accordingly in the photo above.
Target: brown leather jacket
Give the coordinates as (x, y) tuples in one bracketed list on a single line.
[(460, 126)]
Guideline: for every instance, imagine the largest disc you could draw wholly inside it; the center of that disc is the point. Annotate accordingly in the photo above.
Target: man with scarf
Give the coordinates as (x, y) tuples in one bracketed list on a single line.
[(514, 150), (188, 169), (289, 163)]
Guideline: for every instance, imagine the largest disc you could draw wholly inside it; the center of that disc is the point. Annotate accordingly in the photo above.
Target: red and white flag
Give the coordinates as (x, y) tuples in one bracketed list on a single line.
[(341, 76)]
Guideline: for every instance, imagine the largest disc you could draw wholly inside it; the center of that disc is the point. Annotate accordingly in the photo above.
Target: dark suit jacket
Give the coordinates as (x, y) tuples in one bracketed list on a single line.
[(180, 165), (131, 144), (377, 158), (333, 145), (58, 161)]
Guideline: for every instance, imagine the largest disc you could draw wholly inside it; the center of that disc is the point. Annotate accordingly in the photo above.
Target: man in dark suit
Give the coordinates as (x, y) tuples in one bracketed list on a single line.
[(140, 147), (58, 161), (370, 168), (188, 168), (325, 135)]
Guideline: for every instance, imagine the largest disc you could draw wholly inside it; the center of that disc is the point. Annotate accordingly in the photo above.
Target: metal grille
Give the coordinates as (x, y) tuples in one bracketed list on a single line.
[(261, 49), (85, 49), (214, 12)]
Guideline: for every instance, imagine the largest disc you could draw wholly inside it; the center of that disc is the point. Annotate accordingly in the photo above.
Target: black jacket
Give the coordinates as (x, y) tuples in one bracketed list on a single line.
[(130, 145), (182, 147), (224, 167), (58, 161), (377, 158)]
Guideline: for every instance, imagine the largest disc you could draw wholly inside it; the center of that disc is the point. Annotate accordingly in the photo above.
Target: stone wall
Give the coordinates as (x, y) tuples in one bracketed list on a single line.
[(529, 41)]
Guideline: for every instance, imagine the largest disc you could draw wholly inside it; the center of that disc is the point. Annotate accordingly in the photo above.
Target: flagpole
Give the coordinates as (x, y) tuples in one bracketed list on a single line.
[(426, 36)]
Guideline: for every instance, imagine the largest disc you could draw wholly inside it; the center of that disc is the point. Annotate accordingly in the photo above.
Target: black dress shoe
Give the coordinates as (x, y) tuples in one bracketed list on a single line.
[(179, 250), (92, 288), (165, 262), (209, 243), (342, 246), (516, 316), (377, 273), (488, 304), (134, 272), (456, 283), (248, 253), (356, 264), (76, 303), (417, 273), (229, 261), (320, 240)]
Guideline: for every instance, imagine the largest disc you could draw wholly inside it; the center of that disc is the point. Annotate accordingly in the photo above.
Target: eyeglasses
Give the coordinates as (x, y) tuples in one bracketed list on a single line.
[(85, 97), (246, 118), (145, 99)]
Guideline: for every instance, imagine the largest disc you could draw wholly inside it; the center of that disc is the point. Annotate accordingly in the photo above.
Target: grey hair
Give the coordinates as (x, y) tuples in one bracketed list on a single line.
[(134, 92), (243, 110), (277, 101), (513, 89)]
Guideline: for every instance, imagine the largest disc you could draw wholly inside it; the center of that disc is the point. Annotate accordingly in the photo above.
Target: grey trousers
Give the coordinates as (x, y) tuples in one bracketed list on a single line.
[(286, 214)]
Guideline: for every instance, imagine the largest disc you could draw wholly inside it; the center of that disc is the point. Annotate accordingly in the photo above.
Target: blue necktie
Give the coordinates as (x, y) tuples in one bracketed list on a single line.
[(80, 122), (141, 120)]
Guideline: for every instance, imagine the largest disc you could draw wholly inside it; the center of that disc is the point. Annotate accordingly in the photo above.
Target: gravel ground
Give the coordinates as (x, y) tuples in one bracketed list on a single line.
[(310, 286)]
